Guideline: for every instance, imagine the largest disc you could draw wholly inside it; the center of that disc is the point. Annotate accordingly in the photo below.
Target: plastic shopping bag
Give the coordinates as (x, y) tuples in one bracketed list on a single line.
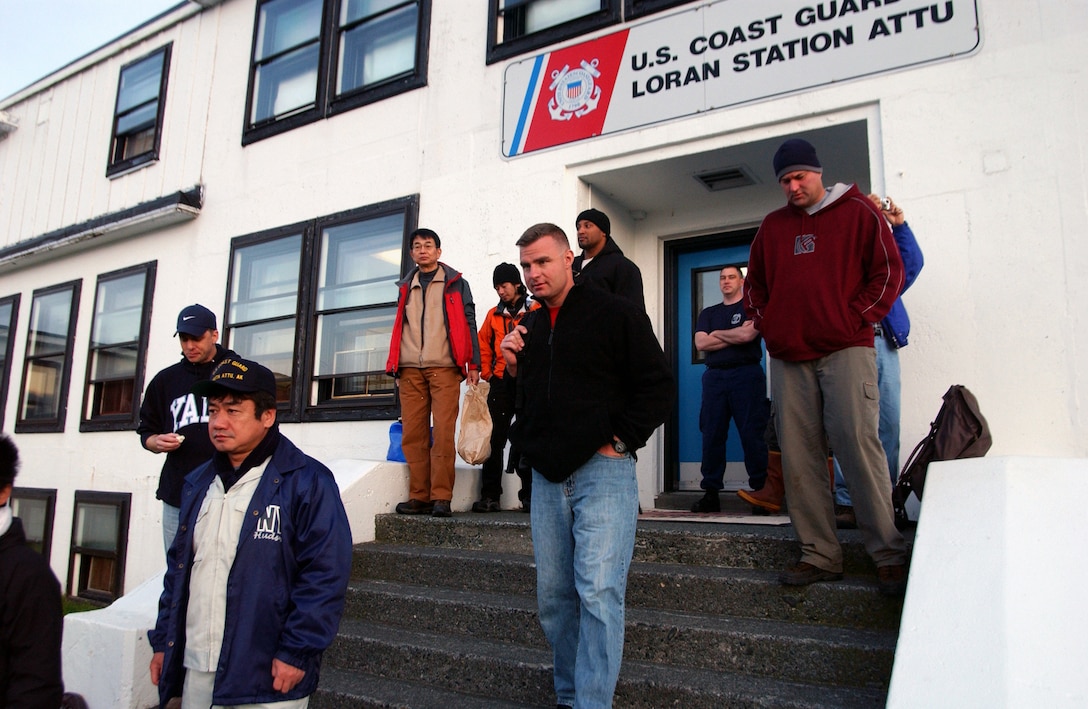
[(474, 440)]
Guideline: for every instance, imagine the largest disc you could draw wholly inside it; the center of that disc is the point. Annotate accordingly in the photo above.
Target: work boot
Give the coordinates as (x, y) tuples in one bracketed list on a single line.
[(845, 518), (708, 502), (771, 495)]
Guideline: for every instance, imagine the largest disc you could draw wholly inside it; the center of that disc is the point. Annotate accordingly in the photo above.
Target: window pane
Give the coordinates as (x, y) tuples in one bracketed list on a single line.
[(140, 82), (543, 14), (354, 342), (49, 323), (119, 306), (113, 398), (41, 399), (352, 10), (265, 282), (273, 345), (33, 513), (6, 325), (360, 263), (286, 84), (379, 49), (96, 526), (114, 362), (287, 23), (140, 119)]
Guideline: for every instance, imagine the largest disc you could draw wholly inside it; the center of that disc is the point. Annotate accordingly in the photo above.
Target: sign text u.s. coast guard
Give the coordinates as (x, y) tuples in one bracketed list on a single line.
[(721, 54)]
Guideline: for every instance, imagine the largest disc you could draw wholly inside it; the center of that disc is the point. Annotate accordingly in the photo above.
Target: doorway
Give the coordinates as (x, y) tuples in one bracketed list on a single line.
[(692, 266)]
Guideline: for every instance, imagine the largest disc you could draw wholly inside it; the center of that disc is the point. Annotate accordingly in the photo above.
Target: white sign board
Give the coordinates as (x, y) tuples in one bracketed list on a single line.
[(721, 54)]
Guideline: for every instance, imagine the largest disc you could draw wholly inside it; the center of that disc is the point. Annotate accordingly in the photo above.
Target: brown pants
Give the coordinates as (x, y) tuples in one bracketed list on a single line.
[(434, 391)]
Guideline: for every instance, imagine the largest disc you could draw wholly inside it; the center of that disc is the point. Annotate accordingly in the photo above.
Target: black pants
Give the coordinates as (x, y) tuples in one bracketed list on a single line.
[(500, 402)]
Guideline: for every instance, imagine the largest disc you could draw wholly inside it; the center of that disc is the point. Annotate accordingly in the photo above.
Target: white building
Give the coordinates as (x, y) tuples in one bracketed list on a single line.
[(267, 159)]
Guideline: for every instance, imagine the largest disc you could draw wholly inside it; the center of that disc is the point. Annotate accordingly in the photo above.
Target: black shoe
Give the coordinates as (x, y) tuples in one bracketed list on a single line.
[(802, 574), (441, 509), (708, 502), (486, 504), (415, 507), (525, 507), (844, 517)]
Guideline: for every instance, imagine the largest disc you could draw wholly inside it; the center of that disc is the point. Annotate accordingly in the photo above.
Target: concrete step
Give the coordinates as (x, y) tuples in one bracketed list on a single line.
[(342, 689), (765, 648), (510, 672), (745, 593), (690, 543)]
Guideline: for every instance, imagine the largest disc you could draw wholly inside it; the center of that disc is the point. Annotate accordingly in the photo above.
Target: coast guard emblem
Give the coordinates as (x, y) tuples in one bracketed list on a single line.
[(574, 93)]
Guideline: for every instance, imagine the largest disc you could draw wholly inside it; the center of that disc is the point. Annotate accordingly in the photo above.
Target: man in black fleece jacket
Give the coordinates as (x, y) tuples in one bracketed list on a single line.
[(593, 385)]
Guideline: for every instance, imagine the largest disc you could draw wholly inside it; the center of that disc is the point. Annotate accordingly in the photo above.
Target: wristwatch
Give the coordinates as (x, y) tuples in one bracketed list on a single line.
[(619, 446)]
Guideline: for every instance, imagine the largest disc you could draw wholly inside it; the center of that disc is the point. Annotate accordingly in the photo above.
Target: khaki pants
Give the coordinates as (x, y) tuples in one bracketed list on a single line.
[(434, 391), (834, 400)]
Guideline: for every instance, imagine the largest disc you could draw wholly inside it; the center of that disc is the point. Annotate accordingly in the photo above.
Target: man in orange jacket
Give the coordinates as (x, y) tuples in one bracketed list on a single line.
[(500, 320)]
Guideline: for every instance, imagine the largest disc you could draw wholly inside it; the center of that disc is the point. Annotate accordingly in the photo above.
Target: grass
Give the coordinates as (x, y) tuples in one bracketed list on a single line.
[(78, 605)]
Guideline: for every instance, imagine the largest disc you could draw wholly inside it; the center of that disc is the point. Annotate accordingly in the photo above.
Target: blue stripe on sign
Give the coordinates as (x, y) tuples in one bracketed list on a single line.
[(526, 106)]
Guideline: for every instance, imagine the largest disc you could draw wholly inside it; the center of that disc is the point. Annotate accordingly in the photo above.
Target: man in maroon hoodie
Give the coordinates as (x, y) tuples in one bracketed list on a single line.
[(822, 270)]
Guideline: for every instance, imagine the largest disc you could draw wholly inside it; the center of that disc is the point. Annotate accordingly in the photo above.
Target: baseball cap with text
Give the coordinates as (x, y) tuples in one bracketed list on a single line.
[(237, 374)]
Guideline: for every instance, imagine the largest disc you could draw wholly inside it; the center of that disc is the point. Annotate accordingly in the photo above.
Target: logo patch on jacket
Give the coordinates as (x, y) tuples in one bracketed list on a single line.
[(268, 526), (804, 244)]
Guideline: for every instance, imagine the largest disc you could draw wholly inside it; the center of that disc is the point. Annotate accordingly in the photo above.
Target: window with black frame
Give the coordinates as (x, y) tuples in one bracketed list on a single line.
[(314, 58), (9, 314), (519, 26), (315, 303), (36, 507), (115, 360), (43, 401), (138, 115), (99, 545)]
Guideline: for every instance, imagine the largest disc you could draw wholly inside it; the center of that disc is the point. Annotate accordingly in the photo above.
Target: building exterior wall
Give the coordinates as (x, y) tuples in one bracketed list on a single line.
[(986, 152)]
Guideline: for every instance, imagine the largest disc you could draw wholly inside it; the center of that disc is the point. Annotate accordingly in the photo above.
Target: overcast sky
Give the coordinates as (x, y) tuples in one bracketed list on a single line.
[(37, 37)]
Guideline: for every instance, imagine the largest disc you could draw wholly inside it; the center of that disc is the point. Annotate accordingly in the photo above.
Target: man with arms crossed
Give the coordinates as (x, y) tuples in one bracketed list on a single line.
[(256, 577), (593, 384), (734, 387), (821, 271)]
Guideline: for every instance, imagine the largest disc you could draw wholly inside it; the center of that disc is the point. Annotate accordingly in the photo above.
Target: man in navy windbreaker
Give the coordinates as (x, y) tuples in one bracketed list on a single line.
[(257, 574)]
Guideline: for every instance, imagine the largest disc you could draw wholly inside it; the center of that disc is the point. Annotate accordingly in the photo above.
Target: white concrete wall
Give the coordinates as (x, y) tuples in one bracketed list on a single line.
[(985, 152), (994, 613)]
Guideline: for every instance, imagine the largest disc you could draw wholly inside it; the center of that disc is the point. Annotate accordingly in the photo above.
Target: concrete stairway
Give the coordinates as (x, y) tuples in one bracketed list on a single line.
[(442, 613)]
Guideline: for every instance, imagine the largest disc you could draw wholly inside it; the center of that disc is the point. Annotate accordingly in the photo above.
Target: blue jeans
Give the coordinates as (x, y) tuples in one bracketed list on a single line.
[(739, 394), (887, 377), (170, 519), (583, 538)]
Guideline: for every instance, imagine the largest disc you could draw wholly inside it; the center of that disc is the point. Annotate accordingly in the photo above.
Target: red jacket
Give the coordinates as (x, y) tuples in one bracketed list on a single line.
[(816, 283), (460, 316), (499, 322)]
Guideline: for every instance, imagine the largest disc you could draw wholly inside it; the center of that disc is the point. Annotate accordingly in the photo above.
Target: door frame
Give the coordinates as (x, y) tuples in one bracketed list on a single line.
[(673, 250)]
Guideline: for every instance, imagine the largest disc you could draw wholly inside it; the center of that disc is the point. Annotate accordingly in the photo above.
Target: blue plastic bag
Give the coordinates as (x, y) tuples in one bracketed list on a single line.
[(396, 452)]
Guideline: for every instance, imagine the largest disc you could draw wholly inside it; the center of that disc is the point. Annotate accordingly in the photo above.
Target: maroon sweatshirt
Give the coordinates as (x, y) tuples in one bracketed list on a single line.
[(817, 282)]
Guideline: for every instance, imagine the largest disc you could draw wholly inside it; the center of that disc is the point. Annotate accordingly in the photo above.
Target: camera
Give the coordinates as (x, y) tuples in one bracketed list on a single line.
[(886, 204)]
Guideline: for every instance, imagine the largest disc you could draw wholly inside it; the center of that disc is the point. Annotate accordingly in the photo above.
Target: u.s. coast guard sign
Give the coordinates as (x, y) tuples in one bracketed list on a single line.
[(721, 54)]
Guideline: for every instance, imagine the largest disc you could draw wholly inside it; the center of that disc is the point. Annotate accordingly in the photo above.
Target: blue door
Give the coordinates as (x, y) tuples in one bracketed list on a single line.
[(697, 288)]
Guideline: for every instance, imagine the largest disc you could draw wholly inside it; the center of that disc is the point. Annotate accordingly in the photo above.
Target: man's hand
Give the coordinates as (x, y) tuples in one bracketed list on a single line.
[(284, 676), (473, 377), (511, 345), (156, 667), (164, 442)]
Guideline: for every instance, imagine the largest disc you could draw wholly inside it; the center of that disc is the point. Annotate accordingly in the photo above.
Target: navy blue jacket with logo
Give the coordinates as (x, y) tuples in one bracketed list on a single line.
[(285, 595)]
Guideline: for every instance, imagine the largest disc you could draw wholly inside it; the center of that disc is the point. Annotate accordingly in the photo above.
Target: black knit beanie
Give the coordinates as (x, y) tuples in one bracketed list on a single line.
[(597, 217), (506, 273), (796, 154)]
